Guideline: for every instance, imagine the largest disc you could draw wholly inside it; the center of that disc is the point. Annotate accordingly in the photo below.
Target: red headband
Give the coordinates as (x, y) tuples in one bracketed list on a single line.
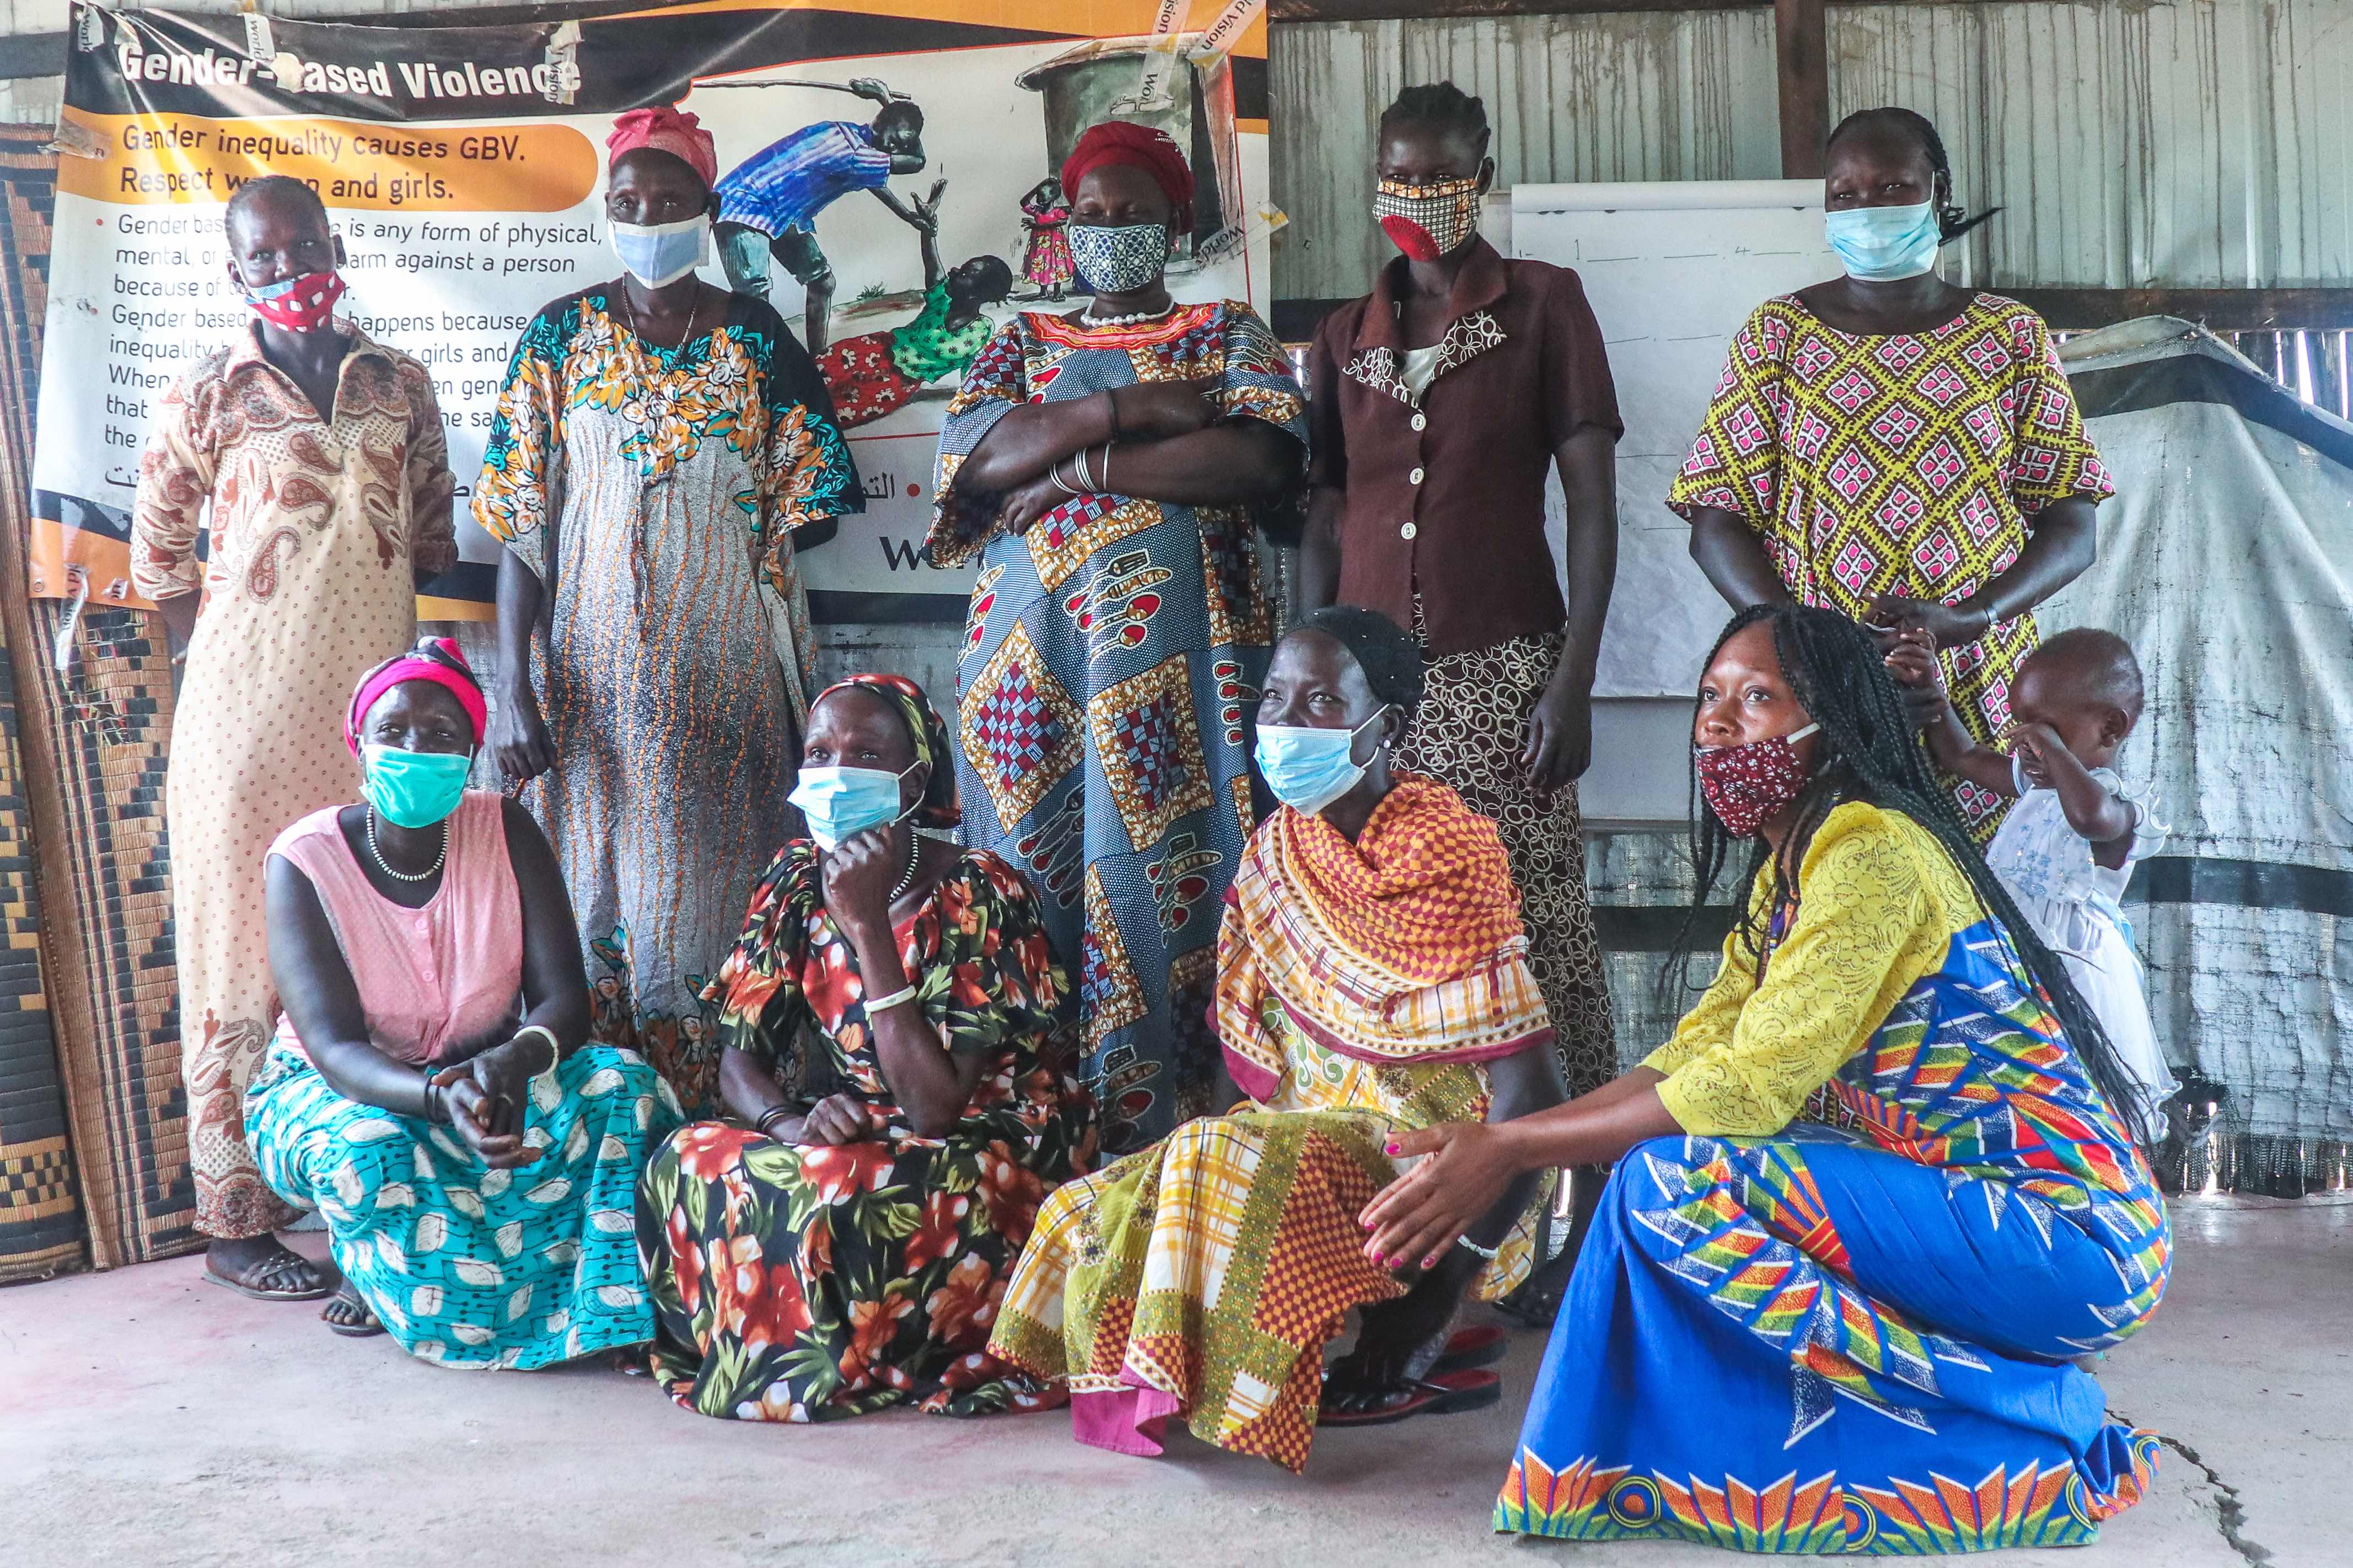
[(665, 129), (1140, 147), (435, 660)]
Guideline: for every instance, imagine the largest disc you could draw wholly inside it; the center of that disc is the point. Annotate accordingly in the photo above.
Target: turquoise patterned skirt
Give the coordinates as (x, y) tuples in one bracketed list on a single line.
[(463, 1264)]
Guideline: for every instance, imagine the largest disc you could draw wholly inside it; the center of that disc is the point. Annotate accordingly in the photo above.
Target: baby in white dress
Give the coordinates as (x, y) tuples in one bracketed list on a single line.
[(2068, 846)]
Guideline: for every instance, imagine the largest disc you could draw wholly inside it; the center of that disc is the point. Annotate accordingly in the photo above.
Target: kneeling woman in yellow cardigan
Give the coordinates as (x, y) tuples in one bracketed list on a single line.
[(1372, 977), (1871, 1199)]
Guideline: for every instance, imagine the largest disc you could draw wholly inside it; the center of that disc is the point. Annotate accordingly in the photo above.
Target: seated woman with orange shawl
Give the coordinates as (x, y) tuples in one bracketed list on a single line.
[(1372, 978)]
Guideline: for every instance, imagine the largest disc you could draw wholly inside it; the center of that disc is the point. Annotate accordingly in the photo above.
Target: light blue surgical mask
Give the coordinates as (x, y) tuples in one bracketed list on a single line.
[(661, 253), (1308, 768), (842, 803), (1882, 245), (414, 789)]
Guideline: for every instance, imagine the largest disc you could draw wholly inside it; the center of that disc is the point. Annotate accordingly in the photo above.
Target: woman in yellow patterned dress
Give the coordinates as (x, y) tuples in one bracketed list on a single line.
[(1372, 978), (1897, 448), (657, 444)]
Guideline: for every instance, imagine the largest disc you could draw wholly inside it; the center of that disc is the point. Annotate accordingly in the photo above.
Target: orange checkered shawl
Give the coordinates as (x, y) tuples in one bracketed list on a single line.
[(1402, 948)]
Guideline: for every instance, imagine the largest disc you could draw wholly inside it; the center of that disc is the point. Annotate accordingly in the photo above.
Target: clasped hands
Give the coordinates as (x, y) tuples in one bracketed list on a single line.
[(1149, 411), (485, 1098)]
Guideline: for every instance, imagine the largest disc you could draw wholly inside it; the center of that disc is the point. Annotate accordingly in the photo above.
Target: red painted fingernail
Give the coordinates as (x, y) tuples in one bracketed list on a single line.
[(1430, 1263), (1392, 1148)]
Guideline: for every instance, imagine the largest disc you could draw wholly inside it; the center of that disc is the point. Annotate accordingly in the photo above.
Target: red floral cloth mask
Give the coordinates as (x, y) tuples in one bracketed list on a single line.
[(1430, 221), (1746, 785), (301, 304)]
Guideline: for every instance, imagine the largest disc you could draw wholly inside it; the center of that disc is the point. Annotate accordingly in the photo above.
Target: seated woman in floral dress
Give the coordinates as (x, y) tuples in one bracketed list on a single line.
[(428, 1091), (815, 1261), (1372, 977)]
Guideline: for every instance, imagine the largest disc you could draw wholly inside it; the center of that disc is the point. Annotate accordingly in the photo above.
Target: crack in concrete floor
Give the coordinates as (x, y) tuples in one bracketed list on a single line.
[(2229, 1509)]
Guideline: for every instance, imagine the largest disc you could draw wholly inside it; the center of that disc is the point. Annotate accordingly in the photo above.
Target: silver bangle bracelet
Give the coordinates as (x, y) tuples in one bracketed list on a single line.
[(1486, 1252)]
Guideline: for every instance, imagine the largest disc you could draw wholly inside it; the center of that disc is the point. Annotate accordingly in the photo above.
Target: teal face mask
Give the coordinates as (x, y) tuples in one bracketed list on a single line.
[(1882, 245), (842, 803), (1308, 768), (413, 789)]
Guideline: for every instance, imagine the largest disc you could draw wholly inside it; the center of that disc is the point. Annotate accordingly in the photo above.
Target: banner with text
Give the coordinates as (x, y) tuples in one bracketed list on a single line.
[(463, 168)]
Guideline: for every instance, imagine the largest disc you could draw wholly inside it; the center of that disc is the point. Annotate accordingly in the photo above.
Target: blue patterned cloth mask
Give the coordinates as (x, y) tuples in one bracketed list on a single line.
[(1119, 258), (1882, 245)]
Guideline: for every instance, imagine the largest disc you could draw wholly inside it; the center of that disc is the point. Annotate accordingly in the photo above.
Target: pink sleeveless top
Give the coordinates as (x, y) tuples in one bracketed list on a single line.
[(429, 977)]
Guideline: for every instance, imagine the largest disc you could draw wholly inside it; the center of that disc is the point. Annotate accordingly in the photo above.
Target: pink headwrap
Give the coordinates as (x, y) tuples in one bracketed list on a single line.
[(434, 659), (665, 129)]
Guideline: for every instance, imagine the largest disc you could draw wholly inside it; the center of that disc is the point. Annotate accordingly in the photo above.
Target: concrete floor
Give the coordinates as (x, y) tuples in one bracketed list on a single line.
[(147, 1419)]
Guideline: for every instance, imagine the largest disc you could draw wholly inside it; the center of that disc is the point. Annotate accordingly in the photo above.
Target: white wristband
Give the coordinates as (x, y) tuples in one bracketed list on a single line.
[(883, 1003)]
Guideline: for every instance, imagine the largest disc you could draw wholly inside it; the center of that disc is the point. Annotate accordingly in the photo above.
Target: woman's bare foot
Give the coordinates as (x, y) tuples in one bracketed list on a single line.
[(265, 1269), (347, 1315)]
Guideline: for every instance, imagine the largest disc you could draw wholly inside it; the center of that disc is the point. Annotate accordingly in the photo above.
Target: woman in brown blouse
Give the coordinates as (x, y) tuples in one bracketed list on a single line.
[(1440, 403)]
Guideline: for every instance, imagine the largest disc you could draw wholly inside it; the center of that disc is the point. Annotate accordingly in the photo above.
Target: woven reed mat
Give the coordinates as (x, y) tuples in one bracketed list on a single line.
[(92, 746)]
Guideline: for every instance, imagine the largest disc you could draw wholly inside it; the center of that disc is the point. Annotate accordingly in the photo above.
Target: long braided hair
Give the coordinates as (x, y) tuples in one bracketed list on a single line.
[(1870, 751)]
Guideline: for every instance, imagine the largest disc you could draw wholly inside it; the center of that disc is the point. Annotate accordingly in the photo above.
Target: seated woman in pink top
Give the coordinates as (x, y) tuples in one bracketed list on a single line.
[(428, 1091)]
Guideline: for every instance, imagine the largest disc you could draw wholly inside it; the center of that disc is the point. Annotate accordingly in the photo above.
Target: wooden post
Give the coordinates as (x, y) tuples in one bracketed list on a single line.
[(1801, 57)]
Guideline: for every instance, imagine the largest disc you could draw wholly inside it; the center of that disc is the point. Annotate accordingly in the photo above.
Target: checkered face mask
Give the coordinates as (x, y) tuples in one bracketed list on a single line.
[(1426, 222), (1119, 258)]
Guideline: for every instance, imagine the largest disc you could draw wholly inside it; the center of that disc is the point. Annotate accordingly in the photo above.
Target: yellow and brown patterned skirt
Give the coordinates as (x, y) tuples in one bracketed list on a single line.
[(1468, 733)]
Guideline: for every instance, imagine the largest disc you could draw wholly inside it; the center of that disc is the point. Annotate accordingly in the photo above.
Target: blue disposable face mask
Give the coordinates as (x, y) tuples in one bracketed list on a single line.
[(413, 789), (1882, 245), (842, 803), (1308, 768), (662, 253)]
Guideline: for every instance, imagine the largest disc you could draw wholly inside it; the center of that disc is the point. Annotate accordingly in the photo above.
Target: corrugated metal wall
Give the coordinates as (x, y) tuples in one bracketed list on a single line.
[(2132, 143)]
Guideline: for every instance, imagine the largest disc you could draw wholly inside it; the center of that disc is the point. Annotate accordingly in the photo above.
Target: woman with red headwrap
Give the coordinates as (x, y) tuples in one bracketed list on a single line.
[(474, 1160), (659, 445), (1106, 468)]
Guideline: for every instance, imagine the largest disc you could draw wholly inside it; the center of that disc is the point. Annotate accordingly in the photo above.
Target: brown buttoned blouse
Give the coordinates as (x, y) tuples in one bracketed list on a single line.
[(1445, 492)]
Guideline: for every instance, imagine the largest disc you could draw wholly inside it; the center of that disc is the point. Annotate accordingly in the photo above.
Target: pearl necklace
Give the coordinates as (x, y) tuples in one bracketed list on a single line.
[(914, 858), (1092, 320), (425, 876)]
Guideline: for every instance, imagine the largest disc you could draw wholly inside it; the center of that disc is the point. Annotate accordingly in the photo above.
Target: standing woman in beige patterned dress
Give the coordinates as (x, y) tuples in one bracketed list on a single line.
[(1440, 403), (321, 459)]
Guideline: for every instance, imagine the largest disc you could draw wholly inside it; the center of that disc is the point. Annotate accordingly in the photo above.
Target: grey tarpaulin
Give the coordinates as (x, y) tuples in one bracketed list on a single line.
[(2227, 561)]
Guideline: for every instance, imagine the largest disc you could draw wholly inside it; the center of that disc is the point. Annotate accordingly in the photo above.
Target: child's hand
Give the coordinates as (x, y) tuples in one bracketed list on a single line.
[(2033, 743)]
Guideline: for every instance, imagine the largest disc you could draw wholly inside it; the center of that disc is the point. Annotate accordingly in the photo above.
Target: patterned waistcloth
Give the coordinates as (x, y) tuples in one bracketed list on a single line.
[(1797, 1346), (1469, 731), (463, 1264), (1202, 1279)]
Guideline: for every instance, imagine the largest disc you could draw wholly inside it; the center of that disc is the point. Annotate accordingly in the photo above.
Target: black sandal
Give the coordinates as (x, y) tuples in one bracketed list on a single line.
[(1447, 1393)]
